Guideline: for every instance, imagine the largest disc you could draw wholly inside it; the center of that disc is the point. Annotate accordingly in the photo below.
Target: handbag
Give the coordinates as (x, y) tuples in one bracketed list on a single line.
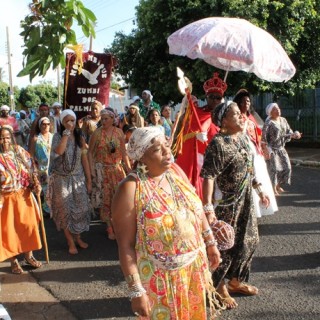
[(223, 233)]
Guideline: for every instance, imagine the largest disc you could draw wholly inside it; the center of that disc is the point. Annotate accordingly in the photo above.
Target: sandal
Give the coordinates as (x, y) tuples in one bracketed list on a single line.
[(242, 288), (16, 268), (32, 262)]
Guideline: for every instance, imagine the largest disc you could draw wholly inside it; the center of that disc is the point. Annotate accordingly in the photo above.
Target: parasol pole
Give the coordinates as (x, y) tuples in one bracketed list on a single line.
[(43, 230)]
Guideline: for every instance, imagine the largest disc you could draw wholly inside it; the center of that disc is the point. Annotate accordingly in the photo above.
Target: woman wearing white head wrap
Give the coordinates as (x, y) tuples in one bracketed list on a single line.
[(269, 108), (147, 103), (40, 149), (158, 220), (70, 182), (276, 133), (109, 164)]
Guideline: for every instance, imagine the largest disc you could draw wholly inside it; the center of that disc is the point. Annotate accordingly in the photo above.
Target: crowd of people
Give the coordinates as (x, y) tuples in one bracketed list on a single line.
[(161, 186)]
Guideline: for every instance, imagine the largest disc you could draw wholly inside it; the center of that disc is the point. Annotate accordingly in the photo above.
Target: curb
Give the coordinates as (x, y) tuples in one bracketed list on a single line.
[(305, 163)]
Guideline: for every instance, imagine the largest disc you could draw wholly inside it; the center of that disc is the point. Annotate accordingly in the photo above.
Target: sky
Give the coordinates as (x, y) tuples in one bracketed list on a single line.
[(112, 16)]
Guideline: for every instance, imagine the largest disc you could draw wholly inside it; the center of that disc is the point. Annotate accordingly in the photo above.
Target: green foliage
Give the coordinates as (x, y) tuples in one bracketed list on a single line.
[(48, 29), (145, 63), (32, 96), (4, 94)]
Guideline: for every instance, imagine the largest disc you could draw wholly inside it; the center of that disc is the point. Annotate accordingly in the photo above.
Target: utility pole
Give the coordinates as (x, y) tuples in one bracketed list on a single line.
[(11, 93), (58, 83)]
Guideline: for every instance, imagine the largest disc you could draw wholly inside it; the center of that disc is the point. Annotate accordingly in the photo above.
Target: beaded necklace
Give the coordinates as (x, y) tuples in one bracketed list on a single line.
[(67, 167), (242, 147)]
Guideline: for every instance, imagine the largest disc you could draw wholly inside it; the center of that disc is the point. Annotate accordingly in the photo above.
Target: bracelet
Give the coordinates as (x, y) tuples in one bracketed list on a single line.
[(208, 208), (84, 151), (66, 132), (256, 185), (136, 291), (259, 190), (211, 242), (131, 278), (206, 233)]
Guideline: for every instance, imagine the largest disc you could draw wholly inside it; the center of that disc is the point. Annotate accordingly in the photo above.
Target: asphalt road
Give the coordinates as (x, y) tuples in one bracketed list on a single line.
[(286, 266)]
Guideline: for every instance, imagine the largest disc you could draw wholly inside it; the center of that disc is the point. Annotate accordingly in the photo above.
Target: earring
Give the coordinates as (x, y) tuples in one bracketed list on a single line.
[(142, 167), (223, 130)]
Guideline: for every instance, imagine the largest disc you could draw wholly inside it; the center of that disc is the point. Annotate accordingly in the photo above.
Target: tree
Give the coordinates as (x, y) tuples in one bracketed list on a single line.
[(4, 94), (47, 30), (145, 63), (32, 96)]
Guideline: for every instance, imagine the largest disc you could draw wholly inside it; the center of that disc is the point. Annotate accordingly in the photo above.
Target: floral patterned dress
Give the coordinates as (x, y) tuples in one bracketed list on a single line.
[(230, 164), (19, 218), (171, 256), (67, 193), (276, 134), (109, 169), (42, 156)]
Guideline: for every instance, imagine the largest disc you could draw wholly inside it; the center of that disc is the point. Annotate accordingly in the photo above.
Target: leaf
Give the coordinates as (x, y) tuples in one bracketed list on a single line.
[(62, 38), (28, 69)]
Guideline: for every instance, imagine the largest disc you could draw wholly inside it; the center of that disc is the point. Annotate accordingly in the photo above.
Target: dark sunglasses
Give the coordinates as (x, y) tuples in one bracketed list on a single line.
[(213, 97)]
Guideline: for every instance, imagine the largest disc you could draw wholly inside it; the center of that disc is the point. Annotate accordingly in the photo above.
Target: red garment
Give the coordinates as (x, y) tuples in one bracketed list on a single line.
[(191, 157), (254, 132), (11, 121)]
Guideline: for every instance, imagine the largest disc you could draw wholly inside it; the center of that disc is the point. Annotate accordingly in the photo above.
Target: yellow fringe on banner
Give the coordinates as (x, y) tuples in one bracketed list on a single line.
[(78, 50)]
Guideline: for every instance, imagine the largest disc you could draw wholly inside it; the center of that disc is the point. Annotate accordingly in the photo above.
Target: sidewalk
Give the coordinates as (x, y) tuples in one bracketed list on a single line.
[(309, 157), (23, 298)]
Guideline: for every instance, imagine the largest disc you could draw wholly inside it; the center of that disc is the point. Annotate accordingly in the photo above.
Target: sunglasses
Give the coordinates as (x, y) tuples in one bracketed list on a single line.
[(213, 97)]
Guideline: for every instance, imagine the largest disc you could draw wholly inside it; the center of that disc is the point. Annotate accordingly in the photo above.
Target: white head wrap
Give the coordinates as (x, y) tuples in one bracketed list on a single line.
[(222, 110), (24, 112), (141, 140), (41, 120), (4, 108), (134, 106), (67, 112), (149, 93), (269, 108)]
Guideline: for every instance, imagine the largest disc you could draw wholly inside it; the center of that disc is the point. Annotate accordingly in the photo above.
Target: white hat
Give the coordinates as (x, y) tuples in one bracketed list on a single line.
[(56, 104), (12, 113), (135, 98), (4, 108), (23, 111)]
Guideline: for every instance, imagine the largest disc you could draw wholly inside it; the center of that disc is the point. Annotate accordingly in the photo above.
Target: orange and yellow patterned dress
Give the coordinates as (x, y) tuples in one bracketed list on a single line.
[(109, 169), (171, 254)]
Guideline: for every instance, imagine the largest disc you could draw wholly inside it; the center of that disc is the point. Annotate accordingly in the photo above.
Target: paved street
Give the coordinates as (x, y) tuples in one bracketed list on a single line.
[(286, 266)]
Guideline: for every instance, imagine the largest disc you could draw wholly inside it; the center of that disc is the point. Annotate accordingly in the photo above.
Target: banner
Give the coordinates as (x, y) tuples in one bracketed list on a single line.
[(92, 83)]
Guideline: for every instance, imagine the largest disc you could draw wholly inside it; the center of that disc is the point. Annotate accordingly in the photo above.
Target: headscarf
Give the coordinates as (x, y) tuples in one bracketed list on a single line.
[(41, 120), (141, 140), (269, 108), (134, 106), (220, 112), (4, 108), (24, 112), (149, 93), (67, 112), (109, 111)]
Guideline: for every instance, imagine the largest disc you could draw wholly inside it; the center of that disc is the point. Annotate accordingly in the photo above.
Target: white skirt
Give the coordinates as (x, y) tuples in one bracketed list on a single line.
[(262, 177)]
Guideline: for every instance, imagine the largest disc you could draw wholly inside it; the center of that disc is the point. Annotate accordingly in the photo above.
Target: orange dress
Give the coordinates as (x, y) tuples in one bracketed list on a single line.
[(109, 169), (19, 218)]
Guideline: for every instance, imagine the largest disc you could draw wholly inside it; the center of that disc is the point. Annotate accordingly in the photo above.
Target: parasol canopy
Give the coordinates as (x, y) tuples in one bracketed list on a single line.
[(233, 44)]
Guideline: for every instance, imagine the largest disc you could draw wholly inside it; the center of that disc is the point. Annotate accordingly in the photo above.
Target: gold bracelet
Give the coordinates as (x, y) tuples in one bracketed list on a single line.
[(131, 278)]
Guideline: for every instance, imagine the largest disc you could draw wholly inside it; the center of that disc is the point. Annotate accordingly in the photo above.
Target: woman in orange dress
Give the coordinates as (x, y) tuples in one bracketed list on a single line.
[(163, 236), (109, 163), (19, 214)]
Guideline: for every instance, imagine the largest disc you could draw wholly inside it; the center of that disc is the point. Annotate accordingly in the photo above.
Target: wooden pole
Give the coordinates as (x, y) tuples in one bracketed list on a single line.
[(43, 230)]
